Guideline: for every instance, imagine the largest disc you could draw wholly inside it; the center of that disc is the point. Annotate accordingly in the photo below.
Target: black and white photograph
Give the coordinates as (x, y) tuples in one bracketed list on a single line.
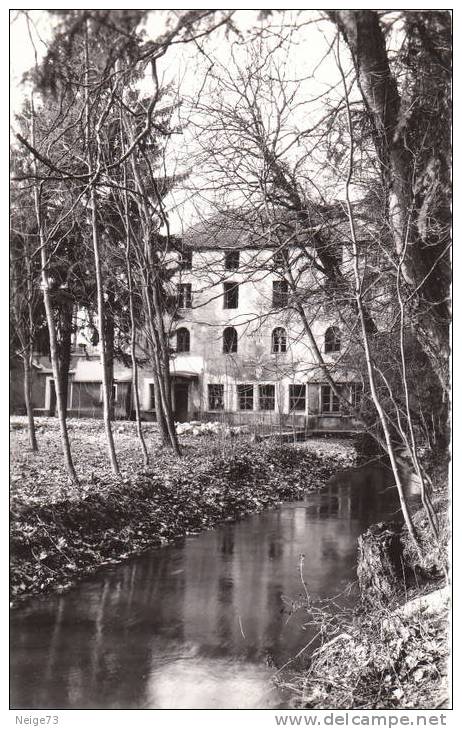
[(230, 364)]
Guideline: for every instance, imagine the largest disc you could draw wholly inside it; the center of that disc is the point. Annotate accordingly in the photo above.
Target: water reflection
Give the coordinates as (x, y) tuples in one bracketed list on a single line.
[(193, 625)]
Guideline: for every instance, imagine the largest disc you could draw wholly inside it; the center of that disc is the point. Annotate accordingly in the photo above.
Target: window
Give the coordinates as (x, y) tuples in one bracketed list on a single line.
[(297, 397), (356, 394), (183, 340), (232, 260), (245, 397), (329, 401), (266, 397), (152, 397), (184, 296), (278, 340), (216, 397), (281, 258), (332, 340), (229, 340), (231, 295), (280, 294), (186, 259)]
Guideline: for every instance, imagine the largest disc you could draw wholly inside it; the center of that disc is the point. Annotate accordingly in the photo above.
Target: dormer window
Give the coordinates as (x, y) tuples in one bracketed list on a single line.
[(232, 260)]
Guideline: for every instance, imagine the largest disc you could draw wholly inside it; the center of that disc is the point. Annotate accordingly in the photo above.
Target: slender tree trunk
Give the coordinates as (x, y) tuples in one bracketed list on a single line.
[(99, 279), (50, 322), (136, 395), (155, 317), (102, 339), (165, 379), (29, 353), (160, 417), (425, 498), (27, 361), (109, 340), (161, 382), (365, 335), (64, 352)]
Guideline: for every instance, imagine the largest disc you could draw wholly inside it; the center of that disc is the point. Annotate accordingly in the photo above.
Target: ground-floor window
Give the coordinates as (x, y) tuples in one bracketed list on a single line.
[(266, 397), (216, 397), (329, 401), (297, 397), (245, 397)]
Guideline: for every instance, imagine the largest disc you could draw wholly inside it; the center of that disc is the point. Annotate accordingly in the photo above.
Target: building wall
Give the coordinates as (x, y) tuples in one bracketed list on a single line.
[(206, 364), (17, 402), (254, 319)]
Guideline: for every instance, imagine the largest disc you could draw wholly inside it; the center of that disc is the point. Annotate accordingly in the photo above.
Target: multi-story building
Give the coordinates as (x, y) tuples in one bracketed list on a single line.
[(239, 349)]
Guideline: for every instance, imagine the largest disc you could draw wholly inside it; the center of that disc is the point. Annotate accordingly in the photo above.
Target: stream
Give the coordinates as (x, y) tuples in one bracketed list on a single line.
[(203, 622)]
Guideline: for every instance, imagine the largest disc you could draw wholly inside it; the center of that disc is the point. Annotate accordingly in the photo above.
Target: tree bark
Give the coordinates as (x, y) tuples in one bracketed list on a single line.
[(109, 329), (64, 351)]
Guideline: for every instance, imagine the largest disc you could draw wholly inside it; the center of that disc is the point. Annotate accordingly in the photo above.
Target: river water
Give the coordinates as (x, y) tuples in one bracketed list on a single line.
[(200, 623)]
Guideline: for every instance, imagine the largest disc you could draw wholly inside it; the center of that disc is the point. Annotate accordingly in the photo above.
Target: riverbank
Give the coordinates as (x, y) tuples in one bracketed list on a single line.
[(392, 651), (61, 533)]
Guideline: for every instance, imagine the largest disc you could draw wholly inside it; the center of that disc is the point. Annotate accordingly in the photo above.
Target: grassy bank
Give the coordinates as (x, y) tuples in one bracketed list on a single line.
[(59, 532)]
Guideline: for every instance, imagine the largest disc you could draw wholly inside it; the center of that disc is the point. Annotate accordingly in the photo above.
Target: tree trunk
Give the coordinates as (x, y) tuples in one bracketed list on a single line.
[(381, 567), (99, 275), (50, 322), (102, 338), (109, 340), (29, 352), (136, 395), (64, 351), (365, 337), (27, 361), (362, 32), (154, 317)]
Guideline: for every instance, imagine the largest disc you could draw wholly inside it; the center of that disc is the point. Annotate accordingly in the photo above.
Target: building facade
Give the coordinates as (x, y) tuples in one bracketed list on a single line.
[(239, 350)]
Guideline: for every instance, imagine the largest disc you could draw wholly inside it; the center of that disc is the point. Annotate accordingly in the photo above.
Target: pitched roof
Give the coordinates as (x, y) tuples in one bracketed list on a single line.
[(238, 229)]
